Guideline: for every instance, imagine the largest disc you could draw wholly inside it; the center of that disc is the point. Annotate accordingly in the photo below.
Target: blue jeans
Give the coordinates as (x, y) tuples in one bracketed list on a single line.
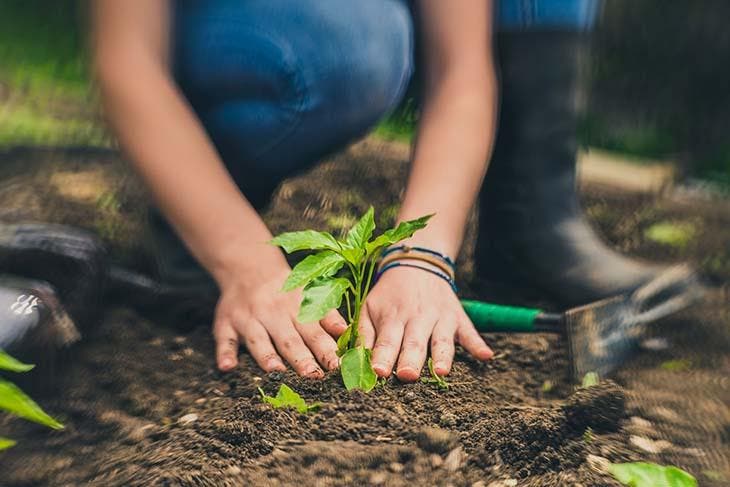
[(278, 84)]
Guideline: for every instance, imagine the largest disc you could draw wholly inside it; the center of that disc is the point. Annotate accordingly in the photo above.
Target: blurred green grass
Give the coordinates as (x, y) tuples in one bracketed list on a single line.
[(46, 97)]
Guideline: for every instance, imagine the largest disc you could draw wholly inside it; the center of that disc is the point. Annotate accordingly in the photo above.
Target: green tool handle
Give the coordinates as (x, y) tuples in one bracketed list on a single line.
[(491, 318)]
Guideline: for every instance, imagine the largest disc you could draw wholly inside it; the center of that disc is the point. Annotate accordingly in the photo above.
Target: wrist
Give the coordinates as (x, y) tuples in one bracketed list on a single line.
[(251, 262)]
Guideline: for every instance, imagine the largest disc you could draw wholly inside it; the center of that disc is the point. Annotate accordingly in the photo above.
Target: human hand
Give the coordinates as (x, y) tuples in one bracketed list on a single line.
[(407, 310), (253, 311)]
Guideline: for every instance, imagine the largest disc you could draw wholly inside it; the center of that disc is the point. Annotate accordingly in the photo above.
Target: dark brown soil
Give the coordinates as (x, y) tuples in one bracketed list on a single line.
[(143, 404)]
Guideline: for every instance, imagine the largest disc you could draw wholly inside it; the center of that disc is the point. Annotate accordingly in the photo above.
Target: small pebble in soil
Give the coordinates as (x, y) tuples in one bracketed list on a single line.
[(436, 440), (396, 467), (188, 418), (448, 420), (436, 460), (454, 459), (378, 478)]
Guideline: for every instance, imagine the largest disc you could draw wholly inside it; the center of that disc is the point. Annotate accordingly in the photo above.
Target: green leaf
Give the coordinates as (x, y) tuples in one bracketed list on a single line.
[(6, 443), (403, 231), (288, 398), (320, 297), (641, 474), (305, 240), (435, 379), (344, 341), (361, 232), (357, 371), (15, 401), (589, 380), (325, 263), (353, 255), (9, 363)]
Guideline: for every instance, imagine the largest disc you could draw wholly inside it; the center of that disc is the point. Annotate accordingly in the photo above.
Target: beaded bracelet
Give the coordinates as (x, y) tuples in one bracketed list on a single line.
[(404, 264)]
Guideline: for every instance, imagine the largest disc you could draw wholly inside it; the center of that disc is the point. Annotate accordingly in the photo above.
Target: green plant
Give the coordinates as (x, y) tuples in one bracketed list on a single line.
[(589, 380), (16, 402), (356, 255), (288, 398), (641, 474), (435, 379)]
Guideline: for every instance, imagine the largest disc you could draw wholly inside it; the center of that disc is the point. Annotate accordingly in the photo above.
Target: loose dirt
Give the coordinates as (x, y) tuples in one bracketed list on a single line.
[(143, 404)]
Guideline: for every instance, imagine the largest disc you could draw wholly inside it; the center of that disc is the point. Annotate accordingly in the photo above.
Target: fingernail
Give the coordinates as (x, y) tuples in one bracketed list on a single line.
[(275, 365), (407, 373), (315, 373), (227, 364), (439, 368), (333, 364), (380, 369)]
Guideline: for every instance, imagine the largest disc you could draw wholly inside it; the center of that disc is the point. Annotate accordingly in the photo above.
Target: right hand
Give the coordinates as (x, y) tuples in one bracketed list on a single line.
[(253, 311)]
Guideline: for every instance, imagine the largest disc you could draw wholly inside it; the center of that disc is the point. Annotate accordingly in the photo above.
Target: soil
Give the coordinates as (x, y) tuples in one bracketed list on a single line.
[(144, 405)]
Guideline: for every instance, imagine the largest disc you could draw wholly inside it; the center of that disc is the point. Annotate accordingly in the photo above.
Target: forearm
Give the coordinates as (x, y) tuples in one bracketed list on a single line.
[(172, 153), (452, 149)]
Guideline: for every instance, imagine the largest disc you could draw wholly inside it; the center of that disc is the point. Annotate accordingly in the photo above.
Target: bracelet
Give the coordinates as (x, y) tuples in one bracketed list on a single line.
[(405, 264), (407, 249), (430, 259)]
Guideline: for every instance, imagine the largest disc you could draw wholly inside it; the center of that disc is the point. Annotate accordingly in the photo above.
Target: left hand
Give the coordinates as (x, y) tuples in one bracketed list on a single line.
[(408, 310)]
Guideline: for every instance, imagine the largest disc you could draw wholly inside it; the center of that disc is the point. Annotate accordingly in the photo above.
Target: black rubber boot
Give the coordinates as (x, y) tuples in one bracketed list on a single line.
[(533, 237)]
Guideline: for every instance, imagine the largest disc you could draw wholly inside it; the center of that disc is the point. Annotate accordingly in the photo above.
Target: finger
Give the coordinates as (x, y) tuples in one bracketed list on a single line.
[(470, 339), (259, 345), (366, 329), (291, 346), (334, 323), (414, 349), (320, 343), (226, 344), (442, 345), (387, 344)]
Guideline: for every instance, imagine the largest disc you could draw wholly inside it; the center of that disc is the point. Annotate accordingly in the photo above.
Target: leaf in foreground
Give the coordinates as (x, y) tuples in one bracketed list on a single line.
[(13, 365), (288, 398), (641, 474), (6, 443), (312, 267), (361, 232), (435, 379), (403, 231), (320, 297), (357, 371), (15, 401), (343, 342), (305, 240)]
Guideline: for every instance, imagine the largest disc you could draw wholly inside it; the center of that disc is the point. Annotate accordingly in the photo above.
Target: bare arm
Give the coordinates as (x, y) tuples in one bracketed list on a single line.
[(410, 310), (165, 140), (170, 149), (457, 124)]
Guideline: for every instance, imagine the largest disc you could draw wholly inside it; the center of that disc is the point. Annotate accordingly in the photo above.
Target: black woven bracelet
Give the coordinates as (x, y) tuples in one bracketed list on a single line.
[(404, 264), (407, 248)]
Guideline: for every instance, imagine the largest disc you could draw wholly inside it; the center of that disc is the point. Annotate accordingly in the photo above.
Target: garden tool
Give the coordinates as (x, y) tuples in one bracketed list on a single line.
[(602, 335), (33, 322)]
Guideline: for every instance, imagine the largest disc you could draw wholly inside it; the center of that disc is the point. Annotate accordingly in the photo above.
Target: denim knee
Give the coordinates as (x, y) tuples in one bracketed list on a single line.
[(279, 84)]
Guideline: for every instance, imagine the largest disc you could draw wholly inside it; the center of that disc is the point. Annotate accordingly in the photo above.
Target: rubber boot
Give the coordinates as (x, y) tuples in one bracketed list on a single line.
[(533, 238)]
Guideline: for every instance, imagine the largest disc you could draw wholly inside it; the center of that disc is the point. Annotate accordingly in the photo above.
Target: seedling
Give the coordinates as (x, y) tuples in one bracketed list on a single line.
[(435, 379), (589, 380), (288, 398), (356, 255), (16, 402), (641, 474)]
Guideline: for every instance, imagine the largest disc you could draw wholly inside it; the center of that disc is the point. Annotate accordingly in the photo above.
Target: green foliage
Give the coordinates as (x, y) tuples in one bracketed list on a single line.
[(676, 365), (642, 474), (288, 398), (320, 297), (16, 402), (357, 254), (13, 365), (589, 380), (672, 234), (435, 379), (357, 371)]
